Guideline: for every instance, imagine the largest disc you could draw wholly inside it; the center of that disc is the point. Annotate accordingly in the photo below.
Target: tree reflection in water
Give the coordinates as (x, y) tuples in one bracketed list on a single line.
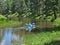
[(10, 38)]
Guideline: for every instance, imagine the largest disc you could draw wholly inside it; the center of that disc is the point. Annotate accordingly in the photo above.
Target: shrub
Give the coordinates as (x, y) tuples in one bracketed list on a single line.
[(13, 16), (2, 18)]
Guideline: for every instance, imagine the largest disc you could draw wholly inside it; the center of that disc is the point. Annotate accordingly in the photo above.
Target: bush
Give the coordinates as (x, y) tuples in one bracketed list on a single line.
[(2, 18), (13, 16)]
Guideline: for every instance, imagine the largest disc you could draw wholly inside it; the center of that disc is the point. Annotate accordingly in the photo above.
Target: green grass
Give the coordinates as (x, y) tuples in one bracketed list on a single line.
[(11, 23), (43, 38)]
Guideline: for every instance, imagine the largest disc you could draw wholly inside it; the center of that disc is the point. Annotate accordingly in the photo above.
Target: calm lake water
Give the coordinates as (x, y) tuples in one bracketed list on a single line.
[(11, 36)]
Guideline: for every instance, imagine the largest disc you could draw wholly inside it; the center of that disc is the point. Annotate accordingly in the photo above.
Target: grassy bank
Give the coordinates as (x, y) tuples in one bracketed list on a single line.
[(11, 23), (44, 38), (41, 38)]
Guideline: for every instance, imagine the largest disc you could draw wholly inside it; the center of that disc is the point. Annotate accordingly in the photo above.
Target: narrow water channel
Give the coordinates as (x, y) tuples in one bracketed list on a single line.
[(11, 36)]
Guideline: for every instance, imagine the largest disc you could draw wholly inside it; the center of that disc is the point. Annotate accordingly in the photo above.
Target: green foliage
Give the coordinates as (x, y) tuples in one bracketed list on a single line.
[(13, 16), (57, 22), (51, 8), (32, 8), (49, 18), (2, 18), (26, 14)]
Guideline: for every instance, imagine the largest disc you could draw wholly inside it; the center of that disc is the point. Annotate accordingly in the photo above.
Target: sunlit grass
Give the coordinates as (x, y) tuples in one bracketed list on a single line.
[(41, 38), (4, 24)]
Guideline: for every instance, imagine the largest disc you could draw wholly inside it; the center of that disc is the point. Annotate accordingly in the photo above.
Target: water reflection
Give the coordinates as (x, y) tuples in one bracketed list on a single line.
[(10, 38)]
